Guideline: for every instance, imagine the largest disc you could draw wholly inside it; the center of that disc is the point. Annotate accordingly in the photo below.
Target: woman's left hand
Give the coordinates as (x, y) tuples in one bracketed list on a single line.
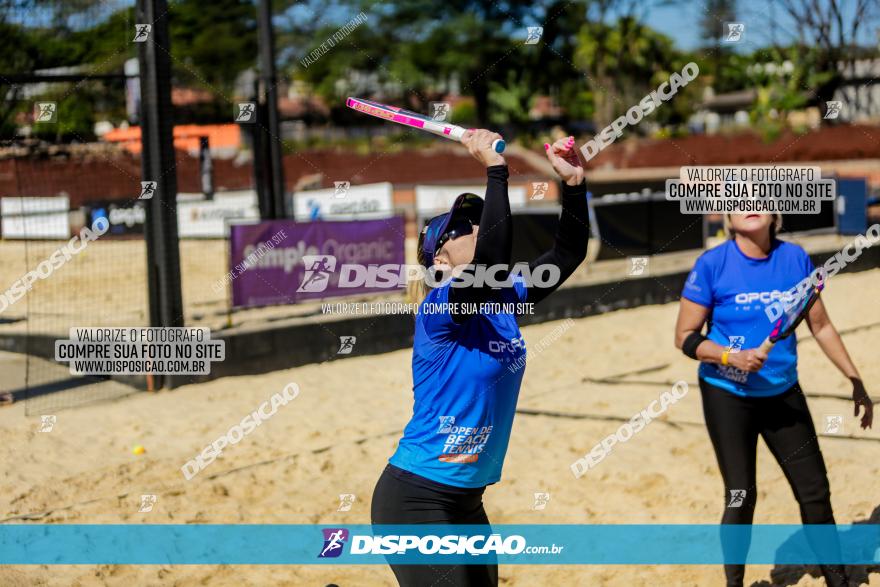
[(564, 159), (861, 398)]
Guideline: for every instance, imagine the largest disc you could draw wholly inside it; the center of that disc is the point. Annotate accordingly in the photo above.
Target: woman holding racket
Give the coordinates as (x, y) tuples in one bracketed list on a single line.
[(465, 393), (748, 392)]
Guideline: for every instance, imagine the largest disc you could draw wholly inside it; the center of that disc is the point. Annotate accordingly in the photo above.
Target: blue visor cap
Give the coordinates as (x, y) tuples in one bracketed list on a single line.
[(468, 205)]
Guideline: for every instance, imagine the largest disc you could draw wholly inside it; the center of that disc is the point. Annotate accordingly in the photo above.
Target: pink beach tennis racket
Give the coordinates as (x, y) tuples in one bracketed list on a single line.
[(414, 120)]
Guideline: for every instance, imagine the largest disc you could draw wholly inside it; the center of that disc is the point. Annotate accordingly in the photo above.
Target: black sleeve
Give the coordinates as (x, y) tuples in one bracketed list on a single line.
[(494, 241), (570, 246)]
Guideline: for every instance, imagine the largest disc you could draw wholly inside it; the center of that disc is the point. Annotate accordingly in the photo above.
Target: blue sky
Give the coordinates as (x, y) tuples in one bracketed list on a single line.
[(763, 19)]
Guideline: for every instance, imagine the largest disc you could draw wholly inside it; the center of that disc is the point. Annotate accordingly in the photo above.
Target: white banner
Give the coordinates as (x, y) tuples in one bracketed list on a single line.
[(209, 218), (35, 217), (436, 199), (345, 202)]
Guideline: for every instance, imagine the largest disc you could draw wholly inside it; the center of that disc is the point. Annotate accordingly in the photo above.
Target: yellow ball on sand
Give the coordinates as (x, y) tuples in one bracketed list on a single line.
[(138, 450)]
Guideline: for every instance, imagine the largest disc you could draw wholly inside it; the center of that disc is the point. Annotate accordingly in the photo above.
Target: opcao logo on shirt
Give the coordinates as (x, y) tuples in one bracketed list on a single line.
[(764, 297), (503, 346)]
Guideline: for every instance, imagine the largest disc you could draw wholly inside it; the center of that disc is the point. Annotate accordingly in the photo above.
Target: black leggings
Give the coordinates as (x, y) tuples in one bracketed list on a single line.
[(784, 421), (401, 497)]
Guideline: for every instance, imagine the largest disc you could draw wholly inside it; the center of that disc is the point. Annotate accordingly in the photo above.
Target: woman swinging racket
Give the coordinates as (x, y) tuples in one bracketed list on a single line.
[(748, 391), (465, 392)]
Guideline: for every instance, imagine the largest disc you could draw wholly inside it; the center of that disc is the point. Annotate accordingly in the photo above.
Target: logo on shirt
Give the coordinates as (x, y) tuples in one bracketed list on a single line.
[(765, 297), (504, 346), (733, 374), (464, 443), (735, 343), (446, 424), (692, 282), (334, 540)]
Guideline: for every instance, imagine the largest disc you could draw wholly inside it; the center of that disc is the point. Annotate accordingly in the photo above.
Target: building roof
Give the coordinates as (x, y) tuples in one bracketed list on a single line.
[(827, 143)]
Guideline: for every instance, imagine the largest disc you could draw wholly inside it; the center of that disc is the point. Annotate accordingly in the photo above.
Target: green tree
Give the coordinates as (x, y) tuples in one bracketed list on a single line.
[(212, 43), (625, 61)]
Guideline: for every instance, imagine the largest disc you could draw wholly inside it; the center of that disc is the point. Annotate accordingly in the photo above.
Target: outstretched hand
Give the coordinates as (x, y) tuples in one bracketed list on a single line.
[(861, 398), (564, 159), (479, 143)]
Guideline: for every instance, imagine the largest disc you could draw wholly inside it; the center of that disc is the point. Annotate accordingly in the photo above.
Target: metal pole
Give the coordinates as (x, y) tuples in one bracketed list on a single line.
[(206, 167), (158, 165), (259, 147), (269, 81)]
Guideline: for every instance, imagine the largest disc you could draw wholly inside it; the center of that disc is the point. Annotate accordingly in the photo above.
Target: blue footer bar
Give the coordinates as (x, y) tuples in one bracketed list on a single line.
[(281, 544)]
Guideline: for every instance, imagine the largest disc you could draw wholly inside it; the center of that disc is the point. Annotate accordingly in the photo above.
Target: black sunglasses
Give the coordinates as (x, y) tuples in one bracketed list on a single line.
[(459, 226)]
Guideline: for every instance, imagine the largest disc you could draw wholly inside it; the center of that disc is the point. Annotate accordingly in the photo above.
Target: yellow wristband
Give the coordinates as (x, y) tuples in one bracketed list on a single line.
[(724, 356)]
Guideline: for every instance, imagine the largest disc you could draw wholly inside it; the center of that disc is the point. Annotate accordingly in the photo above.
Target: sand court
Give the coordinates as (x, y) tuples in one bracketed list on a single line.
[(336, 435)]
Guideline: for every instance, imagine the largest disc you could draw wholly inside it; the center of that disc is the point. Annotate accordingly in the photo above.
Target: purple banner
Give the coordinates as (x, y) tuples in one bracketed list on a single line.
[(283, 262)]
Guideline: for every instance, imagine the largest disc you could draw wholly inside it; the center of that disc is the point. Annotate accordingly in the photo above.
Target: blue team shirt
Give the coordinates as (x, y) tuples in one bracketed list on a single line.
[(737, 289), (466, 380)]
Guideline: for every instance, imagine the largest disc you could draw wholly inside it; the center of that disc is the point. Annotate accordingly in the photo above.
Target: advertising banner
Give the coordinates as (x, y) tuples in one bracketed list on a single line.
[(344, 202), (283, 262), (35, 217)]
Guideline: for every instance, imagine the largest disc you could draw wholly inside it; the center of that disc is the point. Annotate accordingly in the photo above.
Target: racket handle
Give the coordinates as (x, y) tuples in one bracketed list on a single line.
[(498, 145), (766, 346)]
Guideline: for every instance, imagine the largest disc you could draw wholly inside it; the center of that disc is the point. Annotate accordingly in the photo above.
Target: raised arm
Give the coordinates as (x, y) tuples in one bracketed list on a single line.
[(570, 245), (495, 232)]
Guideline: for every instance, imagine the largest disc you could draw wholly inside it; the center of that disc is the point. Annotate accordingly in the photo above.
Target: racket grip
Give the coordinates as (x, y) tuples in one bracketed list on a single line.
[(498, 145), (766, 346)]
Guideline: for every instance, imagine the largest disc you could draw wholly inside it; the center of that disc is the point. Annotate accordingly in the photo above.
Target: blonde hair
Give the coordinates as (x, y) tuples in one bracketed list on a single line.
[(418, 289), (775, 228)]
